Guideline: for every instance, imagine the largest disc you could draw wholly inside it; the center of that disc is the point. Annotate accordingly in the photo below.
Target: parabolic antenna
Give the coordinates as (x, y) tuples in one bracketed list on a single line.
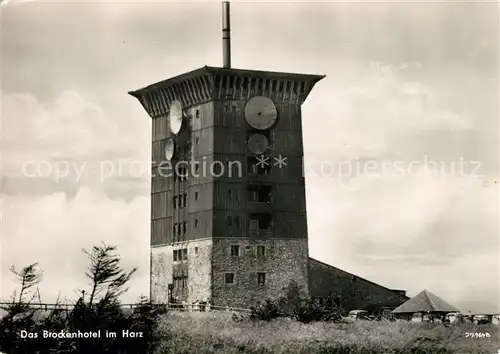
[(169, 149), (261, 113), (175, 117), (258, 144)]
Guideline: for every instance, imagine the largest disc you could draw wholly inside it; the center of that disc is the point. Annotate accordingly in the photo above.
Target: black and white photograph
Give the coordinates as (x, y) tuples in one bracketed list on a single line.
[(249, 177)]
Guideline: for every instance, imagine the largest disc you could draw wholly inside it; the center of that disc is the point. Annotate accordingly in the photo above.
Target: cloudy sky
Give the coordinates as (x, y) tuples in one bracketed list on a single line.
[(400, 138)]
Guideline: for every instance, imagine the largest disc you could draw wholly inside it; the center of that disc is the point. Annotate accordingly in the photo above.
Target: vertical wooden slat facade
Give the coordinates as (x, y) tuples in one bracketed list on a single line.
[(218, 138), (214, 198)]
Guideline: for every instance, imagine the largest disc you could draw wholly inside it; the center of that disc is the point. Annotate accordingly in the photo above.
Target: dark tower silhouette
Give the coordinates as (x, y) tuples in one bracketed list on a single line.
[(228, 220)]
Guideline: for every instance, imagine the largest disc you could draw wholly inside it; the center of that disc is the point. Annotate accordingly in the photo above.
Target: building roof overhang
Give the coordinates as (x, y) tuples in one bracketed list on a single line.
[(208, 83)]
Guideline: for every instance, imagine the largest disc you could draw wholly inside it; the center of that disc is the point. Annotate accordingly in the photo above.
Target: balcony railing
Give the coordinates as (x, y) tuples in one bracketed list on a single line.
[(260, 233), (257, 177)]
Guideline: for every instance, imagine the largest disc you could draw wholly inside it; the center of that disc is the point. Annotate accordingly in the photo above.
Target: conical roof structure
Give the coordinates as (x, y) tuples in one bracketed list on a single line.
[(425, 301)]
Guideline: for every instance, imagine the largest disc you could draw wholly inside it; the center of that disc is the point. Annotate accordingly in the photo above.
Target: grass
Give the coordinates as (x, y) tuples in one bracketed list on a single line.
[(218, 333)]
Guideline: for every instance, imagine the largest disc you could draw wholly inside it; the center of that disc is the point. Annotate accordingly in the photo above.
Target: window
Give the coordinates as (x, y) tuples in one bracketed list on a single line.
[(196, 222), (229, 220), (180, 282), (259, 194), (252, 195), (254, 224), (175, 229), (197, 168), (237, 220), (196, 250), (185, 199), (179, 200), (184, 228), (261, 278), (256, 168), (197, 140), (197, 113), (261, 250), (235, 250), (181, 174), (229, 194), (196, 195), (260, 221), (229, 278), (174, 200), (180, 255), (252, 165)]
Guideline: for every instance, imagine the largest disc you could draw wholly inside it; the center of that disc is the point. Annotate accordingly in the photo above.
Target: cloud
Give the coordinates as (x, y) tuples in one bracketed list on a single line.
[(403, 230), (71, 139), (52, 230), (4, 3), (372, 109), (422, 216), (70, 123), (412, 232), (58, 203)]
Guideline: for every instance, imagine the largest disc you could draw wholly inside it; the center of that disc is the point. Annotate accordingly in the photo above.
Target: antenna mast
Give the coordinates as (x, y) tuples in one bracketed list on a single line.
[(226, 35)]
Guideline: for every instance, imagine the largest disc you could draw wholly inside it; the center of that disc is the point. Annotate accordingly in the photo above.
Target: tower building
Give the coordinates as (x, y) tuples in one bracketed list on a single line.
[(228, 209)]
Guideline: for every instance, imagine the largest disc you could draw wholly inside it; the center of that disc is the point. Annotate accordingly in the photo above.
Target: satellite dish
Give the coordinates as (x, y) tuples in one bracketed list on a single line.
[(169, 149), (260, 113), (258, 144), (175, 117)]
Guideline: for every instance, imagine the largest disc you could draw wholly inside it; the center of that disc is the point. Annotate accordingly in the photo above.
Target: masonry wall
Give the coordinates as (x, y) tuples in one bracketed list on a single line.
[(285, 260), (355, 292), (197, 269), (161, 273)]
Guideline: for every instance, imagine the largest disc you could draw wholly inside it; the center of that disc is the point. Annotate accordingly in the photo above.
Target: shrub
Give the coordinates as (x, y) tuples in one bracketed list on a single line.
[(296, 306), (311, 311), (101, 312), (305, 309), (265, 312)]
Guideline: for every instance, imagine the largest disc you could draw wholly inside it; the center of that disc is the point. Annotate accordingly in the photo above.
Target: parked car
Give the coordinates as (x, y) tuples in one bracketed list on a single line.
[(453, 317), (480, 319), (419, 317), (358, 315)]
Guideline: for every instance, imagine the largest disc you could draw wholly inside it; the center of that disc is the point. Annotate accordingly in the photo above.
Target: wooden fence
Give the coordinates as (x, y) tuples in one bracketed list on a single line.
[(174, 307)]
